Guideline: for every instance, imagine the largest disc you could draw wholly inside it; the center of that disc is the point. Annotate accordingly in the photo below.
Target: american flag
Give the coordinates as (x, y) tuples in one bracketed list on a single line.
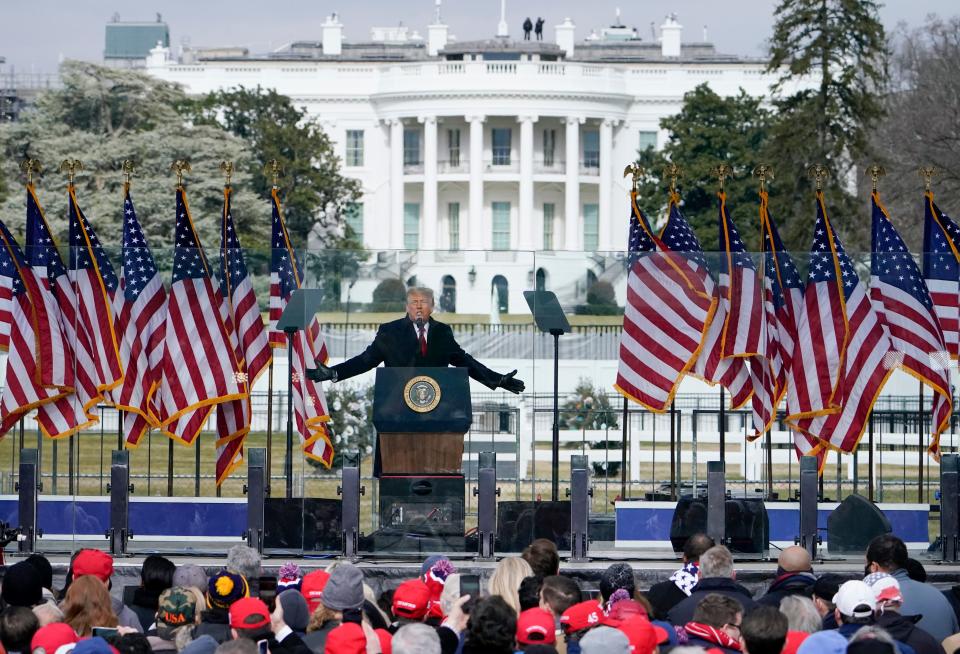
[(783, 295), (667, 311), (241, 314), (863, 363), (69, 414), (711, 365), (309, 404), (95, 284), (141, 316), (22, 391), (200, 367), (941, 270), (902, 302)]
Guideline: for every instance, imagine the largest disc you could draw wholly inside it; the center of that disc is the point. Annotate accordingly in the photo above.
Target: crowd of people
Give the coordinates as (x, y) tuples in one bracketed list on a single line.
[(527, 606)]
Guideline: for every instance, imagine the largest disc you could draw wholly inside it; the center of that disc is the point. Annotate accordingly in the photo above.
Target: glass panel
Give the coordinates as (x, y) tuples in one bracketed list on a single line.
[(501, 225), (353, 214), (548, 213), (453, 140), (591, 149), (411, 147), (354, 147), (411, 225), (647, 140), (501, 137), (549, 146), (453, 222), (591, 226)]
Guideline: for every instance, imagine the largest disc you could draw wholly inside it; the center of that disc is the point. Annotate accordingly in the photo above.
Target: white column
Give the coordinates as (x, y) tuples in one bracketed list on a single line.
[(571, 212), (525, 224), (606, 183), (475, 231), (396, 183), (430, 218)]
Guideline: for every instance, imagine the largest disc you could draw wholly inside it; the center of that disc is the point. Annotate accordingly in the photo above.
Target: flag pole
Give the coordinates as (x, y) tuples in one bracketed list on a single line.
[(623, 451), (721, 172), (270, 415), (127, 168)]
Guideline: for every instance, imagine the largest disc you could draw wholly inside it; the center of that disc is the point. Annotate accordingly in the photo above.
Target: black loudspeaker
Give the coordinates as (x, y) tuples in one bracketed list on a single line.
[(745, 523), (308, 524), (852, 525), (432, 506), (520, 523)]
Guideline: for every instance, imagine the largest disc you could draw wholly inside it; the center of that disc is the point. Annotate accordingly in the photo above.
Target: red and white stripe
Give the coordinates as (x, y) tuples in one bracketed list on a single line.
[(946, 302)]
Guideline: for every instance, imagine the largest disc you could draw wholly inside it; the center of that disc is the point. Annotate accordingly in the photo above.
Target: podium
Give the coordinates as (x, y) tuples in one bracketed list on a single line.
[(421, 416)]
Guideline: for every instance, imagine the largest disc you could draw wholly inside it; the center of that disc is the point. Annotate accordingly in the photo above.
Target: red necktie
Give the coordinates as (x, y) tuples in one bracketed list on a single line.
[(423, 342)]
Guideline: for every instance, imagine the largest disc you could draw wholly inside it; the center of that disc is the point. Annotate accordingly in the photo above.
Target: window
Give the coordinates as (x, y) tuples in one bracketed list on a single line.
[(500, 290), (549, 146), (411, 147), (501, 225), (353, 216), (501, 146), (648, 140), (453, 224), (549, 209), (354, 147), (591, 148), (448, 296), (411, 225), (453, 147), (591, 227)]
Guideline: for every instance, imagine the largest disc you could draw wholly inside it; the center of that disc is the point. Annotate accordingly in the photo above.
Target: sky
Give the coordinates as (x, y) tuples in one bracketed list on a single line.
[(36, 35)]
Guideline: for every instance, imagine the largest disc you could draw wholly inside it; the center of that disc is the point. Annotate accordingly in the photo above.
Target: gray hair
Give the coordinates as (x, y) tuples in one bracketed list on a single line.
[(688, 649), (47, 613), (716, 562), (244, 560), (801, 614), (416, 638), (871, 632), (421, 290), (237, 646)]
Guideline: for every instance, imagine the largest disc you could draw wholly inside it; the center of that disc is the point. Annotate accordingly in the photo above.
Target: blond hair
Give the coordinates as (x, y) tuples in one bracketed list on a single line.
[(506, 578)]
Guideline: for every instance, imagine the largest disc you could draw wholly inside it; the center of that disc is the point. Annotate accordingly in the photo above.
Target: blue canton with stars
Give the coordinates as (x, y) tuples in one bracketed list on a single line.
[(189, 261), (640, 243), (939, 261), (82, 256), (9, 264), (138, 264), (774, 255), (893, 263), (233, 269), (823, 266), (730, 241), (40, 248), (679, 237), (284, 258)]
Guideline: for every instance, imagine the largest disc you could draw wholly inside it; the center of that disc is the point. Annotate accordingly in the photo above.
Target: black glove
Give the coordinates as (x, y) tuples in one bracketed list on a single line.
[(321, 373), (509, 383)]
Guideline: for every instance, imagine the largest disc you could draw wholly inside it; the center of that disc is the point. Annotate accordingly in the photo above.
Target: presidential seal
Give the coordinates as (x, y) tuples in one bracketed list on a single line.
[(422, 394)]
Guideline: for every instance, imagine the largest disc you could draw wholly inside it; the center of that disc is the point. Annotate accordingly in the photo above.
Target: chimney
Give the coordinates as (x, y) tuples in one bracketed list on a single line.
[(332, 36), (565, 36), (436, 34), (670, 37)]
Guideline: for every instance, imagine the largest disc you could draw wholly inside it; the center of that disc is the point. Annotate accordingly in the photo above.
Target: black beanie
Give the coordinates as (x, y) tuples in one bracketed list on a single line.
[(39, 561), (22, 586), (618, 575)]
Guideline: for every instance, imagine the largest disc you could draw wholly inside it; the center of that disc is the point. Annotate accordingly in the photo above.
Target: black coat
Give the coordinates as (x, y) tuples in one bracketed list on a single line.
[(396, 345), (682, 613), (904, 629), (792, 583), (663, 596)]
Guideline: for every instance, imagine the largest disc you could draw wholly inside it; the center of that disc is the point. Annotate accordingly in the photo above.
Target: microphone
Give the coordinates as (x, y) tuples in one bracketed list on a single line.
[(419, 322)]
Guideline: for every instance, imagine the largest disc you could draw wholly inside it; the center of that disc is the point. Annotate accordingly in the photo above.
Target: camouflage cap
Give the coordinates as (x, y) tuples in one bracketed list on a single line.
[(177, 607)]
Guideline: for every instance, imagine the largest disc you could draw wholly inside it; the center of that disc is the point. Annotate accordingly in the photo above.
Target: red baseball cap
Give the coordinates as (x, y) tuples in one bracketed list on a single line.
[(312, 587), (642, 634), (535, 627), (386, 640), (581, 616), (93, 562), (348, 638), (411, 600), (53, 636), (249, 613)]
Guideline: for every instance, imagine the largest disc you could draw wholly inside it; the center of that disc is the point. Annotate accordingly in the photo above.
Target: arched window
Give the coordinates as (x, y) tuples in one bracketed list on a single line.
[(499, 286), (412, 281), (448, 296), (541, 279)]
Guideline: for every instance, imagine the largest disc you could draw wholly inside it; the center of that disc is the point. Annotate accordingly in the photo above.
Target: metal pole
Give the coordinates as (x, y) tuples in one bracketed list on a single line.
[(170, 467), (269, 417), (196, 469), (623, 452), (722, 424), (71, 442), (920, 443), (555, 483), (769, 439), (288, 455), (870, 479), (673, 458), (120, 415)]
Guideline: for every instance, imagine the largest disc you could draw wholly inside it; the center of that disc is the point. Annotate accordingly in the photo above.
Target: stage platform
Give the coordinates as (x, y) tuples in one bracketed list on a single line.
[(383, 573)]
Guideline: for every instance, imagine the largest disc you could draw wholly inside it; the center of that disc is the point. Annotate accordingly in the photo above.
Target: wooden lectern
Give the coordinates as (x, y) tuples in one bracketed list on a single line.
[(421, 415)]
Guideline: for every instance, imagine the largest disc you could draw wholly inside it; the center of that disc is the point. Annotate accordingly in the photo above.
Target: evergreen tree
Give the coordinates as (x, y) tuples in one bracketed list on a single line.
[(841, 45)]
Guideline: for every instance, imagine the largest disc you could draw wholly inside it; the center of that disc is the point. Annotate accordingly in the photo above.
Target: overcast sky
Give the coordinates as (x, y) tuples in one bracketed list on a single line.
[(36, 35)]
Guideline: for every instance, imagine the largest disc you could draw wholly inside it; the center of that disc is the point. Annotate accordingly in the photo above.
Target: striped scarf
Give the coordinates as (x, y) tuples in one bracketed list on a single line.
[(711, 635)]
